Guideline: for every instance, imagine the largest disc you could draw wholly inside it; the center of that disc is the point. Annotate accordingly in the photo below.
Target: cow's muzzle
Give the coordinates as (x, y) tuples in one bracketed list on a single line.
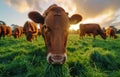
[(56, 58)]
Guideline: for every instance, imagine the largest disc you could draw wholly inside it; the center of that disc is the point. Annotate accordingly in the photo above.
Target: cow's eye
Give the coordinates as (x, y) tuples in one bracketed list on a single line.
[(45, 28)]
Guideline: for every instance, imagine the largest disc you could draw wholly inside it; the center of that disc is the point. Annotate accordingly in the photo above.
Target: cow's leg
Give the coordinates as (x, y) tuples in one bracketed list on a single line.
[(94, 36), (82, 35)]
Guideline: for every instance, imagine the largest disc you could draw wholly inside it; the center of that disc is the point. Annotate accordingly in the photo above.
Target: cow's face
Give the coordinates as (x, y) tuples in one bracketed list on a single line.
[(30, 30), (103, 35), (15, 36), (54, 28), (30, 36), (15, 33)]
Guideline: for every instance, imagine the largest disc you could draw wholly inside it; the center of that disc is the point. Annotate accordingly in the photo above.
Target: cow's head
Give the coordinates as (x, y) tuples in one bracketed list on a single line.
[(28, 30), (15, 35), (54, 28), (103, 35), (30, 36)]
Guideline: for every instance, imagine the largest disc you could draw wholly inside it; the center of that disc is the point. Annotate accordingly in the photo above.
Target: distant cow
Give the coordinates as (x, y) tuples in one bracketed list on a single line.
[(55, 23), (3, 31), (8, 31), (93, 29), (111, 32), (31, 31), (18, 32)]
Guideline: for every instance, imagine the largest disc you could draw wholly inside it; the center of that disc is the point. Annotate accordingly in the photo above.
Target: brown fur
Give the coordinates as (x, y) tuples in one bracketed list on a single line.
[(8, 31), (31, 31), (91, 28), (54, 29), (3, 31), (111, 33), (18, 32)]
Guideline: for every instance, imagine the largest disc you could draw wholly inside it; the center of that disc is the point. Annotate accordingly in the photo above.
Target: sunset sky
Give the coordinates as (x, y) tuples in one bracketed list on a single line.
[(104, 12)]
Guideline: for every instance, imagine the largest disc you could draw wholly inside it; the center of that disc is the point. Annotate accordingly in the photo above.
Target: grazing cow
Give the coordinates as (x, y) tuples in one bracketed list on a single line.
[(54, 24), (3, 31), (31, 31), (18, 32), (8, 31), (111, 33), (93, 29)]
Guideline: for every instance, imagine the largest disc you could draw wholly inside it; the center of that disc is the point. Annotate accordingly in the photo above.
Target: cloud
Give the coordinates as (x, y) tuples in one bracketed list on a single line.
[(20, 6), (107, 10), (89, 9), (41, 5), (92, 8), (26, 5)]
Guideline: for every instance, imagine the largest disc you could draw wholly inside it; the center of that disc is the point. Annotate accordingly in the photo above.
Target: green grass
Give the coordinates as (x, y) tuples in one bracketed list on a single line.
[(85, 58)]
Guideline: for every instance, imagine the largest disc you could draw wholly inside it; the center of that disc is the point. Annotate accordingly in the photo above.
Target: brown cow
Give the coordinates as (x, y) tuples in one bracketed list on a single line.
[(30, 29), (111, 33), (54, 28), (91, 28), (8, 31), (3, 31), (18, 32)]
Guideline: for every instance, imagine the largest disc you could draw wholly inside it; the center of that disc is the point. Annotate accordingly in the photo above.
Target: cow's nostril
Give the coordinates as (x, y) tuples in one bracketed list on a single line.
[(57, 57)]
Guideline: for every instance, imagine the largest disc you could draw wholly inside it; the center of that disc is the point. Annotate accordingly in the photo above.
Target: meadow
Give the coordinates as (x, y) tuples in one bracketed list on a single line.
[(85, 58)]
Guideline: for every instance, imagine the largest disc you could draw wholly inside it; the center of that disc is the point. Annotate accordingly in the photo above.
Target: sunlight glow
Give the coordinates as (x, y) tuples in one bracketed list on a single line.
[(24, 7), (99, 19)]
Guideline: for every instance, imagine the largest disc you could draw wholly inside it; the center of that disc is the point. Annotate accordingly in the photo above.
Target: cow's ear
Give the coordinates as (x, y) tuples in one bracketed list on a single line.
[(36, 17), (76, 18)]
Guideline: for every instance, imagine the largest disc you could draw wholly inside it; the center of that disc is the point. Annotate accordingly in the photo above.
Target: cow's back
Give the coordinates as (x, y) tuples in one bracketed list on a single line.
[(89, 28)]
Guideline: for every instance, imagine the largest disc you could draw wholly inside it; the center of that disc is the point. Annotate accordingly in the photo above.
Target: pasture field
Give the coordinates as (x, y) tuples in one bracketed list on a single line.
[(86, 58)]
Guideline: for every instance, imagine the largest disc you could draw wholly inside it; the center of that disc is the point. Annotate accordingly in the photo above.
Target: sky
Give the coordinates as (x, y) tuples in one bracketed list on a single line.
[(104, 12)]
